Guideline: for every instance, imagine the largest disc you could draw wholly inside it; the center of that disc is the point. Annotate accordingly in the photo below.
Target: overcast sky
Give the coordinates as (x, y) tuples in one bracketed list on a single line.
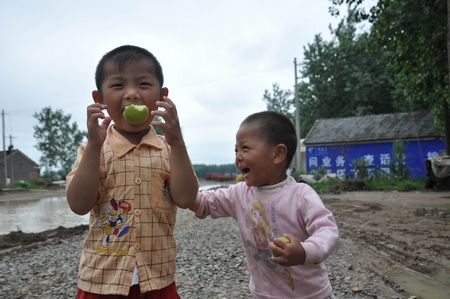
[(218, 58)]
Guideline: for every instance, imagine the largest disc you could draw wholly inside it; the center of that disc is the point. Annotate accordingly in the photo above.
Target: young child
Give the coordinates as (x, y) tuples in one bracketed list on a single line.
[(270, 204), (130, 180)]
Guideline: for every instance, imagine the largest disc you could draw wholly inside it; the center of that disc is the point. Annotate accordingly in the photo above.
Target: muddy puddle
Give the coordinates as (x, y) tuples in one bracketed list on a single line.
[(38, 215), (435, 286)]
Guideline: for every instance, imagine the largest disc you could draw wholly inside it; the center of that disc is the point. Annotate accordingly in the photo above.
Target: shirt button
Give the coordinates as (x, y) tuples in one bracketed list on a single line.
[(137, 246), (137, 181), (137, 212), (136, 151)]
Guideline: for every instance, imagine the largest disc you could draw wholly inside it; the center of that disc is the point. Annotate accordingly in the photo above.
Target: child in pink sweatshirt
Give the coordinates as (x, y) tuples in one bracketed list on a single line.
[(270, 204)]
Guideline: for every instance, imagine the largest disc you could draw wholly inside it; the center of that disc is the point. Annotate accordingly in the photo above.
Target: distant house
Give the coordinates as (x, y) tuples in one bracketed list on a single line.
[(23, 168), (334, 143)]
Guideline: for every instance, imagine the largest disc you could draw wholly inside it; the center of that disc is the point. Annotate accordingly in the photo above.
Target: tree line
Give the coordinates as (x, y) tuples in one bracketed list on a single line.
[(202, 169)]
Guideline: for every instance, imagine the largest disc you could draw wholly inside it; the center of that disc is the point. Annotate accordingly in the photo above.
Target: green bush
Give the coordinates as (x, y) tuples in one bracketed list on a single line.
[(379, 183), (360, 166), (41, 182), (397, 164), (384, 183), (298, 173), (21, 185)]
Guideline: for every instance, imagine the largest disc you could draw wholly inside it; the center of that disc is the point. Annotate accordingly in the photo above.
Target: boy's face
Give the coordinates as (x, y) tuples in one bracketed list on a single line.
[(135, 84), (255, 159)]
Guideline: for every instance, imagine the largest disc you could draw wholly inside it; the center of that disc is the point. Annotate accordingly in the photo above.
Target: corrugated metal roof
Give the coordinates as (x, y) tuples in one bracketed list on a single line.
[(382, 127)]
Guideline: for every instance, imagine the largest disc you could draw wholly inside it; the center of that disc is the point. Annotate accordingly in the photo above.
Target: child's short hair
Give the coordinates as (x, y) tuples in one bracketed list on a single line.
[(122, 55), (275, 128)]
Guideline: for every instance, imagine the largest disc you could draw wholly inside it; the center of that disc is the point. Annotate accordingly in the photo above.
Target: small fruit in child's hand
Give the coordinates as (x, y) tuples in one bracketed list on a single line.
[(282, 238), (135, 114)]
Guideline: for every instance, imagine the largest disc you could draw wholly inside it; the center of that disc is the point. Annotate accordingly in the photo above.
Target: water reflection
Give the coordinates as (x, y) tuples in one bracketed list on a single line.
[(437, 286), (37, 215)]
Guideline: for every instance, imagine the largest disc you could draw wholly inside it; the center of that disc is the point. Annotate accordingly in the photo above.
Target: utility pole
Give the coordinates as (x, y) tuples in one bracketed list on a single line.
[(297, 119), (4, 149), (11, 148)]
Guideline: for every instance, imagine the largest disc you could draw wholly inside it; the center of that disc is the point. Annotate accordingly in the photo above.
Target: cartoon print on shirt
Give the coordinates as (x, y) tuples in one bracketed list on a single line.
[(113, 221), (262, 235), (166, 191)]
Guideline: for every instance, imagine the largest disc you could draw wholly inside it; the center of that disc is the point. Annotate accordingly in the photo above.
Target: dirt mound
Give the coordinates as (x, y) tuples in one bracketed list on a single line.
[(20, 239)]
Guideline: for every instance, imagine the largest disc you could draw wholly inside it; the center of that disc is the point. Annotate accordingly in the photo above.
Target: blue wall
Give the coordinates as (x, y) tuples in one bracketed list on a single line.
[(338, 158)]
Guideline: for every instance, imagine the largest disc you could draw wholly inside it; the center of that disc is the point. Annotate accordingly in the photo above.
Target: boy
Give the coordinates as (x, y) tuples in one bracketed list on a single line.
[(271, 204), (130, 180)]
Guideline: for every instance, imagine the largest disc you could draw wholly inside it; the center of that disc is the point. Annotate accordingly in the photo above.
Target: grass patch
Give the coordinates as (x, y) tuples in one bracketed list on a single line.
[(384, 183), (328, 185), (381, 183)]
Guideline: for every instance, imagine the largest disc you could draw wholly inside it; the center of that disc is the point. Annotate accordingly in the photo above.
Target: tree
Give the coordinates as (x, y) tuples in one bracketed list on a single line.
[(359, 13), (279, 101), (58, 140), (343, 78), (414, 38)]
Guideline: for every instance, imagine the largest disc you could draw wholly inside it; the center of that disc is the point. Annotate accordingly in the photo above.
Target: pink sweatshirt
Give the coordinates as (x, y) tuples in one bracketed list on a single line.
[(267, 212)]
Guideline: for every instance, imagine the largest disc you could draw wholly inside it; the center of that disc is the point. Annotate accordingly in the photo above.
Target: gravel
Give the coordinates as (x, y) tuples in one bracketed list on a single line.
[(209, 265)]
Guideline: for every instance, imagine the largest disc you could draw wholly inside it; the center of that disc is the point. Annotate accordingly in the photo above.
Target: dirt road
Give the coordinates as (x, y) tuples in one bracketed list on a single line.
[(396, 229), (384, 231)]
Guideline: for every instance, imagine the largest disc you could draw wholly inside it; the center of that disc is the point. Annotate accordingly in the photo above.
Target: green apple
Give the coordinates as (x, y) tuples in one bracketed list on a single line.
[(282, 238), (135, 114)]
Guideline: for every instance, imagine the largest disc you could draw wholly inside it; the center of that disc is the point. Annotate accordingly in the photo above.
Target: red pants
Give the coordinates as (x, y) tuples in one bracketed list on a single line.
[(169, 292)]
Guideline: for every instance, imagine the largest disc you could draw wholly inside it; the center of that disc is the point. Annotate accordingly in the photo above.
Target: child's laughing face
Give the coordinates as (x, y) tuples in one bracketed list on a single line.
[(254, 158)]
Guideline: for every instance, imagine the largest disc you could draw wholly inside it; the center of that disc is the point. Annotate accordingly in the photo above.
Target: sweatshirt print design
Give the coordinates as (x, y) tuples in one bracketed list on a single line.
[(260, 236)]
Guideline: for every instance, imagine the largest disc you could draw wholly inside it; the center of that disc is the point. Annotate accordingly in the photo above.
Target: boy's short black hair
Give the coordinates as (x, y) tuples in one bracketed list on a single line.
[(275, 128), (126, 54)]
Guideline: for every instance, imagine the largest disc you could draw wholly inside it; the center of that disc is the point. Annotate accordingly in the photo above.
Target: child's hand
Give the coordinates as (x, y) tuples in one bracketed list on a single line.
[(171, 124), (96, 132), (289, 254)]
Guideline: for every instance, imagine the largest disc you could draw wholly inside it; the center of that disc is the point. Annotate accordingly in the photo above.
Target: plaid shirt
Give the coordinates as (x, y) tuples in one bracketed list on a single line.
[(133, 220)]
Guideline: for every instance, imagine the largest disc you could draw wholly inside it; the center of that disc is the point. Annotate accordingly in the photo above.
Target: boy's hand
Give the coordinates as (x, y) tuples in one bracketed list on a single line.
[(289, 254), (96, 132), (171, 124), (183, 182)]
